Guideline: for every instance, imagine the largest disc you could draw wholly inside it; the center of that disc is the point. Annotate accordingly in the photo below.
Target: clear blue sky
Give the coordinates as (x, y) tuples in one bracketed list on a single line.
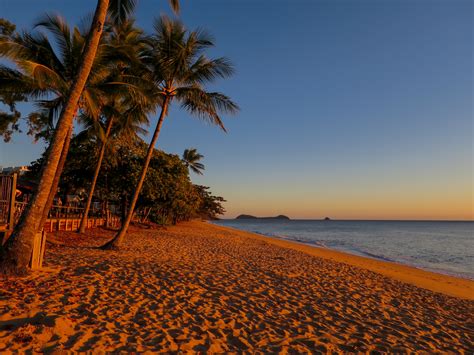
[(353, 109)]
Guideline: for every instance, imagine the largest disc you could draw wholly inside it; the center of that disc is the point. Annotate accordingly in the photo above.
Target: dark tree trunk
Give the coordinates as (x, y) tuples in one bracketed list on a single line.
[(82, 228), (118, 239), (123, 209)]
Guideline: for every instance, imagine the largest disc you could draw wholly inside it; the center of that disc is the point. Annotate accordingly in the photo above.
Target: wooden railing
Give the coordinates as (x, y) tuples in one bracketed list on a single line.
[(60, 217), (72, 224)]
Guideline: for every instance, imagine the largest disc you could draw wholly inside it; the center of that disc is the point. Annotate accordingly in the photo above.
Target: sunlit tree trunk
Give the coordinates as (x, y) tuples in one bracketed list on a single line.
[(82, 228), (118, 239), (16, 253)]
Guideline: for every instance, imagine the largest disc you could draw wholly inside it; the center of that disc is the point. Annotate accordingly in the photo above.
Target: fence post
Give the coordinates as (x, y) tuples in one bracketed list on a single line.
[(11, 210)]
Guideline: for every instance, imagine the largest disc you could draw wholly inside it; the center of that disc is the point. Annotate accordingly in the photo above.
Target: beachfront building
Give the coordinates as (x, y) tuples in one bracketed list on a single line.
[(14, 169)]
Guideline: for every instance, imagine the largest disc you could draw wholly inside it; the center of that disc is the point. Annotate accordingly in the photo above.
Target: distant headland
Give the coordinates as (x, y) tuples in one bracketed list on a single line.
[(247, 216)]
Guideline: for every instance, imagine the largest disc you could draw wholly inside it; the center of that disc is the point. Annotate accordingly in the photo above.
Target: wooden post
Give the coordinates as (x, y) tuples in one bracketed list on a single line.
[(11, 210), (107, 216), (37, 255)]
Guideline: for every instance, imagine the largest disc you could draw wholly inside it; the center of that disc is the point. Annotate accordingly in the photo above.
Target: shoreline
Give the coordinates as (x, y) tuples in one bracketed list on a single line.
[(373, 257), (434, 281)]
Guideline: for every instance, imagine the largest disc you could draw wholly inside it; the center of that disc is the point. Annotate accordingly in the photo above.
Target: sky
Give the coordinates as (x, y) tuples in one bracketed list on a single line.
[(349, 109)]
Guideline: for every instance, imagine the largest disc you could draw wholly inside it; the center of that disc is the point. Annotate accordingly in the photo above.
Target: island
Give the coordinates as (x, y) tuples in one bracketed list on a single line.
[(247, 216)]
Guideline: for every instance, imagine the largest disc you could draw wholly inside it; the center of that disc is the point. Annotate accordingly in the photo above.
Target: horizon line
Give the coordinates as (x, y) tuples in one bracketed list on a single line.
[(354, 219)]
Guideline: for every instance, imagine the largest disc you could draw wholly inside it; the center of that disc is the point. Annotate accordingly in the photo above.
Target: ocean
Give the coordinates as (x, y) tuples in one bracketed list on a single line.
[(439, 246)]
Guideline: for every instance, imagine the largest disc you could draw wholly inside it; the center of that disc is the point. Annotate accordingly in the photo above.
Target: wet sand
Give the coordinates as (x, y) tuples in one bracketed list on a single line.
[(201, 287)]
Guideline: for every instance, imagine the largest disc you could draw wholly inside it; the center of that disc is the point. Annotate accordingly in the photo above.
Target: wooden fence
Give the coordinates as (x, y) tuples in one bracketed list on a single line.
[(7, 201), (72, 224), (60, 218)]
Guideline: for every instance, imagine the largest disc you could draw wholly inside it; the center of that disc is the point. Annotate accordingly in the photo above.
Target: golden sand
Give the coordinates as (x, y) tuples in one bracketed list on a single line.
[(200, 287)]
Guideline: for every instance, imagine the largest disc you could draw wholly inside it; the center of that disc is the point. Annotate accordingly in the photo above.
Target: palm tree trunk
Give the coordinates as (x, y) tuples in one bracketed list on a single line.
[(82, 228), (57, 176), (16, 253), (118, 239)]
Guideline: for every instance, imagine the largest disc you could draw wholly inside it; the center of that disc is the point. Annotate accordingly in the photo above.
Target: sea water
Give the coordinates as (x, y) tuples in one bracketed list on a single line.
[(440, 246)]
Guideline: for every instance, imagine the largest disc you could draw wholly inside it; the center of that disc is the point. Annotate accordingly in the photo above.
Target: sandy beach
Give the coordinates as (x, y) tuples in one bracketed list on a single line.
[(197, 287)]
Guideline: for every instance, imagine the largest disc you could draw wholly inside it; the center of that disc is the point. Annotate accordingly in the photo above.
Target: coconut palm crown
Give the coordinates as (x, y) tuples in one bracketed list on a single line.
[(177, 71), (191, 159), (46, 69)]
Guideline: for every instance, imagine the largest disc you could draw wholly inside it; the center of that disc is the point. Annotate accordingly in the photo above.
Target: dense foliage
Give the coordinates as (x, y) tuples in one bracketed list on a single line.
[(168, 195), (117, 90)]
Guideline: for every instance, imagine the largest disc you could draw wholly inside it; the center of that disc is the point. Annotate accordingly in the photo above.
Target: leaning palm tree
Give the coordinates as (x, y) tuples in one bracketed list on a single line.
[(191, 159), (46, 73), (130, 119), (54, 72), (178, 70), (127, 109), (15, 255)]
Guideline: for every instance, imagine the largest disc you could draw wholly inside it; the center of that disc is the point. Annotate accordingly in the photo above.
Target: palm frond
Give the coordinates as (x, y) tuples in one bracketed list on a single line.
[(206, 70), (175, 6), (120, 10), (44, 77), (58, 27), (206, 106)]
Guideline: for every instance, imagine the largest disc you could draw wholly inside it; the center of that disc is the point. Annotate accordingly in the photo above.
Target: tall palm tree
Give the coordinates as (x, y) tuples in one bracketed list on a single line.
[(46, 73), (15, 255), (191, 159), (125, 44), (53, 73), (178, 70), (132, 117)]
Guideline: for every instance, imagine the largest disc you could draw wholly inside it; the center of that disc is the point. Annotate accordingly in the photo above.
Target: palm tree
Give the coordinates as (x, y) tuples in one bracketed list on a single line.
[(132, 118), (43, 69), (178, 70), (126, 43), (47, 73), (191, 159), (16, 253)]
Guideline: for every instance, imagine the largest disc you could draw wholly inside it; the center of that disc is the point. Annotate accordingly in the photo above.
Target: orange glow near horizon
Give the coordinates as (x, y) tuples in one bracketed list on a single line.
[(410, 211), (401, 203)]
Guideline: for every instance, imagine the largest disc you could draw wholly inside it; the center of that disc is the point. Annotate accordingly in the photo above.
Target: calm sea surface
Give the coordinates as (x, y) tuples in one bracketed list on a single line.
[(445, 247)]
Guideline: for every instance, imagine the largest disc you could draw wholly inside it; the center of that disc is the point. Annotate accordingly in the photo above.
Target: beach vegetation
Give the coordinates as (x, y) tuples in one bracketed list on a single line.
[(15, 254), (191, 159), (126, 108), (168, 195), (178, 71)]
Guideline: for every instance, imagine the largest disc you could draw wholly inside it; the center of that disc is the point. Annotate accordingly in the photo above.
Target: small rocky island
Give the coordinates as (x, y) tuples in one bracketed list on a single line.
[(247, 216)]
